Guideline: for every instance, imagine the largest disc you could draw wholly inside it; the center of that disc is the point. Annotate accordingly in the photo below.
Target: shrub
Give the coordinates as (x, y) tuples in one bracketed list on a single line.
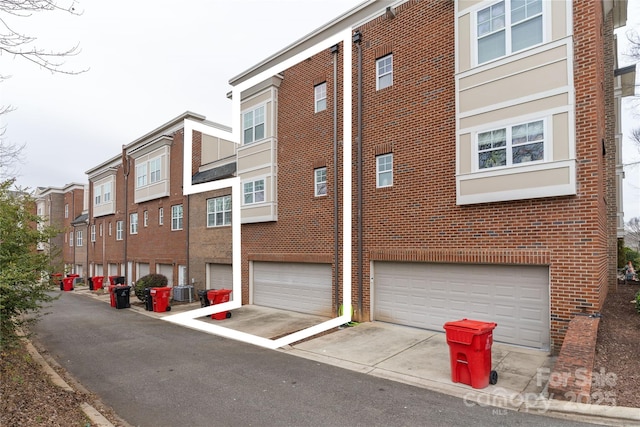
[(638, 302), (149, 281)]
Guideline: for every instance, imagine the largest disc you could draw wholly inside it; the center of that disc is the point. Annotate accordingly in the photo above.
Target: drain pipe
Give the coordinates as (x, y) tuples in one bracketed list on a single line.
[(125, 231), (336, 236), (357, 39)]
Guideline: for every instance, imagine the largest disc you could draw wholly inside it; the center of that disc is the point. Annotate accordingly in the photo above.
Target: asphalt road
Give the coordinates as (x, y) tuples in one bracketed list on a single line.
[(154, 373)]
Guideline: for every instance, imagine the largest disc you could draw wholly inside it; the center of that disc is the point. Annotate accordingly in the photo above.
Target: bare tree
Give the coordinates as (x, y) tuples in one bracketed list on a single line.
[(14, 43), (632, 233)]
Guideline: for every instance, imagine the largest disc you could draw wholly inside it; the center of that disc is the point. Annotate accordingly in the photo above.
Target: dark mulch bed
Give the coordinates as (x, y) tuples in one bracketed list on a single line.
[(617, 366)]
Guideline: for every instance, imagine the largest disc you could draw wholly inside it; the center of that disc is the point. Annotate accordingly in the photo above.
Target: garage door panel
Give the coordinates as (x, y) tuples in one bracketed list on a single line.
[(301, 287), (428, 295)]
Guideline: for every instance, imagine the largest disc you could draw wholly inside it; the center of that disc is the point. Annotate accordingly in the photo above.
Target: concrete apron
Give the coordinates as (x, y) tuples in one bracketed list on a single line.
[(410, 355)]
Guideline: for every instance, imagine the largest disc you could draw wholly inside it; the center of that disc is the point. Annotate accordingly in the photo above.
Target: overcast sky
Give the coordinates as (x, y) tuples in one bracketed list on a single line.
[(150, 61)]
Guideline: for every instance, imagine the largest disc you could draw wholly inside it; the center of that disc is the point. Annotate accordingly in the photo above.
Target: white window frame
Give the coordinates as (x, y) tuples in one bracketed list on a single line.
[(109, 228), (155, 170), (214, 210), (319, 184), (79, 238), (253, 192), (101, 230), (145, 218), (93, 232), (119, 230), (320, 97), (507, 28), (509, 146), (97, 195), (381, 75), (71, 238), (177, 216), (387, 170), (141, 175), (253, 125), (106, 192), (133, 223), (160, 216), (66, 210)]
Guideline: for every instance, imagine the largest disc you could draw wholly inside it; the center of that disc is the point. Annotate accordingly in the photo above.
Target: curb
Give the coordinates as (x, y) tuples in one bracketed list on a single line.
[(97, 419)]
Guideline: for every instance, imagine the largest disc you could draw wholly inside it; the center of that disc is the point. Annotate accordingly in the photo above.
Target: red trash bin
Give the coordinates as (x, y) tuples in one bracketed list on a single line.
[(160, 298), (97, 282), (470, 352), (218, 296), (67, 283), (112, 295)]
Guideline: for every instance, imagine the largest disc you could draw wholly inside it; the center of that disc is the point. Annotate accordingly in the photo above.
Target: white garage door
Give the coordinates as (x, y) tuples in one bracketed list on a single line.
[(429, 295), (301, 287), (167, 271), (219, 276)]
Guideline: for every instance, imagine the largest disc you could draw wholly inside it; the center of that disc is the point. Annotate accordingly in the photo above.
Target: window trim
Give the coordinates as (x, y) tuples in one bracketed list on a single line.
[(79, 238), (508, 30), (226, 214), (316, 182), (156, 161), (133, 223), (508, 127), (252, 111), (141, 174), (119, 230), (145, 219), (253, 192), (319, 95), (179, 219), (160, 216), (380, 76), (71, 239), (66, 210), (378, 172), (93, 232)]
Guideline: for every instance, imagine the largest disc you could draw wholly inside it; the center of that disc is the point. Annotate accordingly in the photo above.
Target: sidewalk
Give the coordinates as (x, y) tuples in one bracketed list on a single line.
[(412, 356)]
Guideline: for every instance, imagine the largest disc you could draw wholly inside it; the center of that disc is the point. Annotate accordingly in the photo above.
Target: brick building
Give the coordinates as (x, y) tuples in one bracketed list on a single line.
[(484, 167), (60, 206), (138, 221)]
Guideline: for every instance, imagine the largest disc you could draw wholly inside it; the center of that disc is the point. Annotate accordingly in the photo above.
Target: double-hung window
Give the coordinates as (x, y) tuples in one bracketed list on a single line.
[(320, 97), (145, 218), (320, 181), (106, 192), (384, 72), (253, 125), (79, 238), (219, 211), (512, 145), (508, 26), (93, 232), (160, 216), (176, 217), (384, 170), (97, 194), (133, 223), (119, 230), (253, 192), (71, 238), (155, 170), (141, 175), (66, 210)]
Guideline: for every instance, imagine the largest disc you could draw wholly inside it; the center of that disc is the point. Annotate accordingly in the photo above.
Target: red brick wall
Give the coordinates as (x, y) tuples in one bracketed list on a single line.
[(418, 216), (305, 140), (158, 244)]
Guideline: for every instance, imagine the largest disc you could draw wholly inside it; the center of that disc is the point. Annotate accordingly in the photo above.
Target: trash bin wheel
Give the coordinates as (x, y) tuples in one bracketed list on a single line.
[(168, 308), (493, 377), (228, 314)]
